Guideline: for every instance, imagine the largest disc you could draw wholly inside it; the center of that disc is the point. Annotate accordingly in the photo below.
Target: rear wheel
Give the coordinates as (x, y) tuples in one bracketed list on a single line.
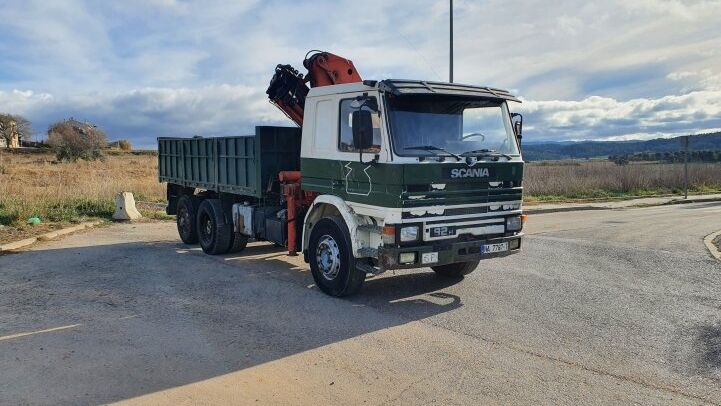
[(456, 270), (187, 209), (214, 234), (331, 258)]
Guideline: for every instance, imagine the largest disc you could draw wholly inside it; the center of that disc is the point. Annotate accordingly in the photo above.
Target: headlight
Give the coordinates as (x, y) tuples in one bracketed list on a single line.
[(407, 257), (409, 233), (513, 223)]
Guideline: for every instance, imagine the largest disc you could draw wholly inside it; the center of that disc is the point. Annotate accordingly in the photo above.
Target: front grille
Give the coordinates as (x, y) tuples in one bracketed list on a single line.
[(420, 196), (449, 212), (453, 210)]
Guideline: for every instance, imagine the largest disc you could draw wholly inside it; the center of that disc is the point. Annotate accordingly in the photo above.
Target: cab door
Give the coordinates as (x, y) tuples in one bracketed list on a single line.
[(357, 177)]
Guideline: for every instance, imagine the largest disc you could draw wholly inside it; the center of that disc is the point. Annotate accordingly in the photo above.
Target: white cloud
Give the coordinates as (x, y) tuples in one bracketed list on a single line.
[(598, 117), (143, 114)]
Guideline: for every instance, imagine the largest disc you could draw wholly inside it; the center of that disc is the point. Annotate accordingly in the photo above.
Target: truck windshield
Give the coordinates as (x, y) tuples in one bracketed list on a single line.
[(427, 125)]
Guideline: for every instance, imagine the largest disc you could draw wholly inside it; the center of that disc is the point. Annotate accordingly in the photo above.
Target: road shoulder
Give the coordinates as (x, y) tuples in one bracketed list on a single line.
[(713, 243), (556, 207)]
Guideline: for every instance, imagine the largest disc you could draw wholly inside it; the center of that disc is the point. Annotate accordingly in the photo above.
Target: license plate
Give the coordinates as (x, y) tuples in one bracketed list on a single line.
[(429, 258), (494, 248)]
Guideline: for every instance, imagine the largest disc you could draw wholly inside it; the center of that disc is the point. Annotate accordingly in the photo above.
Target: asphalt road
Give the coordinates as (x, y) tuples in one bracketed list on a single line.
[(613, 306)]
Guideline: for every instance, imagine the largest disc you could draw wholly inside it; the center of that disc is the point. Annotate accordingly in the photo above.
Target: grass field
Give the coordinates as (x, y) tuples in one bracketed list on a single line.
[(560, 180), (33, 184)]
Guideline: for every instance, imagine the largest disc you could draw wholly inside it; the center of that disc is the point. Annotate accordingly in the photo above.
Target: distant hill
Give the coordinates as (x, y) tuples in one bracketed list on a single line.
[(593, 149)]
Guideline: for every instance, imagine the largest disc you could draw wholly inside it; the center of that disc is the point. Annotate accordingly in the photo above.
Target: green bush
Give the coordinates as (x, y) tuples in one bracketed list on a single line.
[(13, 212), (78, 208), (8, 215)]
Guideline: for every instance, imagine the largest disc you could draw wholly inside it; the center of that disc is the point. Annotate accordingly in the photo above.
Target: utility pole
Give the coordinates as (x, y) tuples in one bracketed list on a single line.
[(685, 166), (450, 70)]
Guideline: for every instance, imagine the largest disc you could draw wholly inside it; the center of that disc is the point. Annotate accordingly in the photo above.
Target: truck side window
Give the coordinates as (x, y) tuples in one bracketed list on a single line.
[(345, 140)]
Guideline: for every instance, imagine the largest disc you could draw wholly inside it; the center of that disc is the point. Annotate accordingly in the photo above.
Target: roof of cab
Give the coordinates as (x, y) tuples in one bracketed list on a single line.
[(401, 87)]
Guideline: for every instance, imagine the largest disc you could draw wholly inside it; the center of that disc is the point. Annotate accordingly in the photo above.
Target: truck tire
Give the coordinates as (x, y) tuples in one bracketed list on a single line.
[(187, 210), (456, 270), (331, 258), (214, 234), (239, 242)]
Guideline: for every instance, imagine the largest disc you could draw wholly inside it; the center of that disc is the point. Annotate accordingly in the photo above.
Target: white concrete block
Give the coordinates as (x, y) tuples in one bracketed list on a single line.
[(18, 244), (125, 207)]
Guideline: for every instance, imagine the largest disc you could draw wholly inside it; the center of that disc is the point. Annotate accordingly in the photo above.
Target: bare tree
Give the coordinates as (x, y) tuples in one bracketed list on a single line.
[(10, 125), (73, 140)]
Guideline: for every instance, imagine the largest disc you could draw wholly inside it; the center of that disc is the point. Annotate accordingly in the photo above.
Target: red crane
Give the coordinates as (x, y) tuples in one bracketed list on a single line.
[(288, 87)]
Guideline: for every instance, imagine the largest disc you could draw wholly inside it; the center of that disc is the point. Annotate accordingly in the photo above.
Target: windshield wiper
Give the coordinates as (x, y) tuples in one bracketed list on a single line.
[(433, 148), (486, 152)]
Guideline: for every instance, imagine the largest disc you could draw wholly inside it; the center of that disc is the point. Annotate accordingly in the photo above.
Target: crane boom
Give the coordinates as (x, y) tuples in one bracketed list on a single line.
[(288, 88)]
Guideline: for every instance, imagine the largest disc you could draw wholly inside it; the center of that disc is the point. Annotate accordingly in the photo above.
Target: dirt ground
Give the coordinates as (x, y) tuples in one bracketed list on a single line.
[(600, 307)]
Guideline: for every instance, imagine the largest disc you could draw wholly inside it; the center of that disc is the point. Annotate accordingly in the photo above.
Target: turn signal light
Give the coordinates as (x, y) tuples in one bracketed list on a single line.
[(389, 235), (524, 217)]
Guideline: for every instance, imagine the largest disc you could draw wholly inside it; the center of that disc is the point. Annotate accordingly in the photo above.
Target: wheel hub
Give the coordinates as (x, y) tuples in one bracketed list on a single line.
[(184, 218), (327, 257), (207, 227)]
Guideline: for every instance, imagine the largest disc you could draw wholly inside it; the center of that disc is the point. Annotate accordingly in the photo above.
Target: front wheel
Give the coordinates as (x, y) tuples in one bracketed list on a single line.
[(331, 258), (456, 270)]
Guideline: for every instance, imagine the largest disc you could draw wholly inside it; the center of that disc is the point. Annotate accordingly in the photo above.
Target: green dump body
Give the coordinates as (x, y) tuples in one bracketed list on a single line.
[(241, 165)]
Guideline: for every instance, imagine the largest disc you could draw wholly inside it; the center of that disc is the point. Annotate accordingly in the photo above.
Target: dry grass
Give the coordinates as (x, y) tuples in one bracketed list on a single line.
[(33, 184), (588, 179)]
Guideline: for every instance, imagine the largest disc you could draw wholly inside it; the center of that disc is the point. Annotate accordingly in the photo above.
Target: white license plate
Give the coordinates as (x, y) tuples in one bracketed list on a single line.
[(494, 248), (429, 257)]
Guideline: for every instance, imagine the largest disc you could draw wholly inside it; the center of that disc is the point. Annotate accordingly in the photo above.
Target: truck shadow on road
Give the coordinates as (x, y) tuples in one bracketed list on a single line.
[(415, 290), (137, 318), (709, 340)]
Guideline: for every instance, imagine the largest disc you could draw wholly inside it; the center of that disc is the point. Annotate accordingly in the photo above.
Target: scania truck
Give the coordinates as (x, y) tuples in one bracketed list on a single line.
[(379, 175)]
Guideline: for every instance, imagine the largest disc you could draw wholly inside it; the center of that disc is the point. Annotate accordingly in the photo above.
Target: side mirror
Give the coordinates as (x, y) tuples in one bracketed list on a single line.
[(518, 127), (362, 129), (517, 119)]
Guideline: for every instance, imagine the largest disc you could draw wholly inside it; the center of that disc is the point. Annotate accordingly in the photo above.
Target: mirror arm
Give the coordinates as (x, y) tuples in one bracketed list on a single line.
[(376, 158)]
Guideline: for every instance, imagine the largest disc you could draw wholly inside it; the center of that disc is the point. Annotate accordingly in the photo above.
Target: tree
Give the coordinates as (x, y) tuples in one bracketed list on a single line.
[(620, 160), (14, 124), (125, 145), (73, 140)]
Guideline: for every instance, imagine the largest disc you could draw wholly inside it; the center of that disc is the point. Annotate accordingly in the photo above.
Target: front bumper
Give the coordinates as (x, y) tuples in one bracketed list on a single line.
[(448, 252)]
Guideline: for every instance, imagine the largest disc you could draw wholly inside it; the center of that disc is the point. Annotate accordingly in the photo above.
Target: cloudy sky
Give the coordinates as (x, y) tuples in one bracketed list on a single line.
[(146, 68)]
